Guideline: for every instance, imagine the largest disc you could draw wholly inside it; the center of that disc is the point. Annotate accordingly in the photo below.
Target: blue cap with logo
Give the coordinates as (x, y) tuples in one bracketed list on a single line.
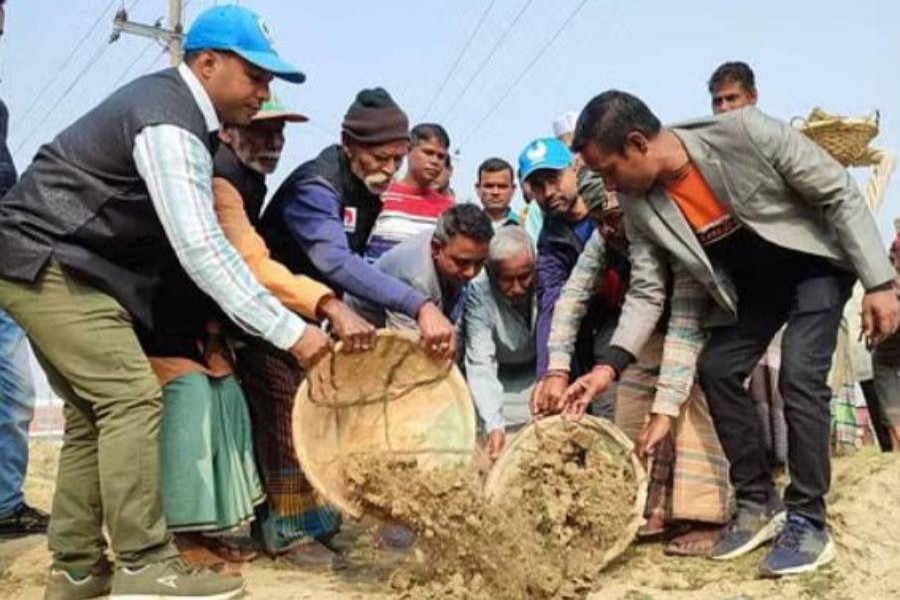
[(544, 153), (239, 30)]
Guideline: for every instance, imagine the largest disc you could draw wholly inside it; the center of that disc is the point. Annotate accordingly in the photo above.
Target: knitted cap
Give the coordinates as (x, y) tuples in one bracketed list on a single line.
[(374, 118)]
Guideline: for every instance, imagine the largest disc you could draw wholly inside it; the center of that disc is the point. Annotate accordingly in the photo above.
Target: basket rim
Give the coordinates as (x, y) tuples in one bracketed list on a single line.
[(607, 428), (310, 470)]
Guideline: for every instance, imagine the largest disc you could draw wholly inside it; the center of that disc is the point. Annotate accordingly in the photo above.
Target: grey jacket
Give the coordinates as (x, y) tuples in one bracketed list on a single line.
[(778, 183), (411, 262)]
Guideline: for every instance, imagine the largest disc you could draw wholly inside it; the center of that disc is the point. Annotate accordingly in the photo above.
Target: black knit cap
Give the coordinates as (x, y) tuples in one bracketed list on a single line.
[(374, 118)]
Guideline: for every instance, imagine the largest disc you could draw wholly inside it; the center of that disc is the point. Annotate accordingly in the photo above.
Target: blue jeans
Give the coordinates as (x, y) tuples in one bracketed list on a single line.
[(16, 410)]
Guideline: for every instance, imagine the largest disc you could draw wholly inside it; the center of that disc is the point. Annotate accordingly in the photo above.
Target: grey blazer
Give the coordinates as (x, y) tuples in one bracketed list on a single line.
[(778, 183)]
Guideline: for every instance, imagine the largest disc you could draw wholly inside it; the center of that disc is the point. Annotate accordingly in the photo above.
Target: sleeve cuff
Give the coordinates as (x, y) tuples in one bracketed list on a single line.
[(495, 423), (559, 361), (287, 331), (665, 406), (882, 287), (411, 303), (616, 357)]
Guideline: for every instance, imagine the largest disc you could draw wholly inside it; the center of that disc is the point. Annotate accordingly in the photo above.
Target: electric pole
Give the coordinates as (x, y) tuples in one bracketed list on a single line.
[(171, 37)]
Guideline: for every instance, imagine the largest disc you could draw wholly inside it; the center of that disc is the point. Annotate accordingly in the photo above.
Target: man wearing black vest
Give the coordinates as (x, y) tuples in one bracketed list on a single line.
[(318, 224), (114, 201), (319, 220)]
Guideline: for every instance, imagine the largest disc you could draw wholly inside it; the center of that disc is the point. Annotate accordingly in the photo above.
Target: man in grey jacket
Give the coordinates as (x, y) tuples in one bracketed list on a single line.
[(776, 231), (436, 263)]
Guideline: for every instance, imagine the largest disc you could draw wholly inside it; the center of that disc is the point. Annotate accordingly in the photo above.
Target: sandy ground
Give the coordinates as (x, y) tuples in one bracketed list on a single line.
[(865, 509)]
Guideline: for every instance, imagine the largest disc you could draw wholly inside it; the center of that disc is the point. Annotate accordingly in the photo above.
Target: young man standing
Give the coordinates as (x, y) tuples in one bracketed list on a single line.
[(495, 188), (548, 167), (776, 231), (413, 204), (732, 86), (116, 200)]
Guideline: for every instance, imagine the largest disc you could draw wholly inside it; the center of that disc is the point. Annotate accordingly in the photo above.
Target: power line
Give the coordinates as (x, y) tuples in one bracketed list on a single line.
[(524, 72), (486, 60), (459, 57), (131, 66), (91, 62), (55, 76)]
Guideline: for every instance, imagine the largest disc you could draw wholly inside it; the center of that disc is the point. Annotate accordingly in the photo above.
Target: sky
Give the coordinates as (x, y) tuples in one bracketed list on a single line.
[(528, 62)]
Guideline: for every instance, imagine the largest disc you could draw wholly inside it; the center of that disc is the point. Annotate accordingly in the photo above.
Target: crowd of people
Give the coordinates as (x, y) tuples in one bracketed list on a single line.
[(176, 306)]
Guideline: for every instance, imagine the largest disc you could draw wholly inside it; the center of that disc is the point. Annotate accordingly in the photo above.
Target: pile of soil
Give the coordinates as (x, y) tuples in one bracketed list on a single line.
[(569, 500)]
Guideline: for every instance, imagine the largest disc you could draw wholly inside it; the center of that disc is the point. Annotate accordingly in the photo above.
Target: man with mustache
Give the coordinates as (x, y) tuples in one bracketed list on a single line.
[(321, 217), (317, 224), (210, 480), (413, 204)]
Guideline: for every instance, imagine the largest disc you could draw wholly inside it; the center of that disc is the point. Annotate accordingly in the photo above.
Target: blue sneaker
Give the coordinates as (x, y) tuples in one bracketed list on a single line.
[(800, 547), (752, 526)]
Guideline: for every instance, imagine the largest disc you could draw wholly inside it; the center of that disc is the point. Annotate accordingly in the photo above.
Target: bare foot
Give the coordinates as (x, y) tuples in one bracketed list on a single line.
[(895, 438), (697, 541), (195, 551), (654, 527)]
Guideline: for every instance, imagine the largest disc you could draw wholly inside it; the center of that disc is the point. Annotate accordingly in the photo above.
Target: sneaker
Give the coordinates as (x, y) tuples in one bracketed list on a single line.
[(753, 526), (61, 585), (25, 520), (801, 547), (173, 579)]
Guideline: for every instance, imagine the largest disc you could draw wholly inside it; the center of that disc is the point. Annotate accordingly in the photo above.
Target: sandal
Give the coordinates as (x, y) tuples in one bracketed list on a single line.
[(697, 540)]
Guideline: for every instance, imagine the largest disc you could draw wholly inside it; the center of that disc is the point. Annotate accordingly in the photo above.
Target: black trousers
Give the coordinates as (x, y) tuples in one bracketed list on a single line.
[(776, 287)]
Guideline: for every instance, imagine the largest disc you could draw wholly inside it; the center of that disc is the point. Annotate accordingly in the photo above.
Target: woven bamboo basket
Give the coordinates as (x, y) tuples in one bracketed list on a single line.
[(595, 433), (393, 401), (845, 138)]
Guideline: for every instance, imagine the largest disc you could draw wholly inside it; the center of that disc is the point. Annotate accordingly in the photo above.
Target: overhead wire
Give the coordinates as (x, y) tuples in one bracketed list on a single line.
[(523, 73), (91, 62), (458, 59), (95, 57), (486, 60), (54, 77)]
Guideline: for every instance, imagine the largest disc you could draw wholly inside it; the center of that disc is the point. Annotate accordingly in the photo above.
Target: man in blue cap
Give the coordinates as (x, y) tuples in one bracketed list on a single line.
[(114, 201), (549, 169)]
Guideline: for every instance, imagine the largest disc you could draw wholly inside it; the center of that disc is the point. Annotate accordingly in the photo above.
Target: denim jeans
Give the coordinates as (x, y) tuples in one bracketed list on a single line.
[(16, 410)]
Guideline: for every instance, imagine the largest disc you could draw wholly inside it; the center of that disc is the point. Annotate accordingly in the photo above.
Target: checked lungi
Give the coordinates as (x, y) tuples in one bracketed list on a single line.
[(295, 512)]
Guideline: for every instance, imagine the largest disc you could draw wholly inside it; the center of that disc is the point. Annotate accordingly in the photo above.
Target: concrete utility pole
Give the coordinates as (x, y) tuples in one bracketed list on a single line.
[(170, 37)]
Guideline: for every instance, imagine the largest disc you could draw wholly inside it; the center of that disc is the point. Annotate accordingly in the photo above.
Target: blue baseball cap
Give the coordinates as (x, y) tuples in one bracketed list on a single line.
[(544, 153), (242, 31)]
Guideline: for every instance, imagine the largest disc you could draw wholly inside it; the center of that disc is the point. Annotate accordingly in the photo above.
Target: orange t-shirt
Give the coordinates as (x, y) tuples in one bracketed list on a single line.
[(708, 216)]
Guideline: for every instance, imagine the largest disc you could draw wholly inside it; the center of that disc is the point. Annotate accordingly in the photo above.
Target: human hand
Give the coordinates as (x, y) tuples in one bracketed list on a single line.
[(311, 347), (586, 388), (548, 393), (496, 441), (655, 430), (437, 333), (880, 316), (357, 334)]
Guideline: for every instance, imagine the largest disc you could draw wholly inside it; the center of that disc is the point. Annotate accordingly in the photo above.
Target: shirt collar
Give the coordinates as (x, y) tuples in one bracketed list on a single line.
[(200, 97)]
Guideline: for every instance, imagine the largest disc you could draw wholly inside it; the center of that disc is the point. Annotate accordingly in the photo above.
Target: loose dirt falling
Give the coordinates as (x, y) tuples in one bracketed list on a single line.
[(568, 501)]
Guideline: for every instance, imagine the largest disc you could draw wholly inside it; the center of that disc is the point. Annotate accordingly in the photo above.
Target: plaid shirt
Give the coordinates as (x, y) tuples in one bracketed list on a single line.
[(684, 335)]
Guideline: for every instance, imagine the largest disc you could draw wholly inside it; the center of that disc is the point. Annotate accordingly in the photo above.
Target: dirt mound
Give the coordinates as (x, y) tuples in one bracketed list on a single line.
[(573, 501), (864, 504)]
